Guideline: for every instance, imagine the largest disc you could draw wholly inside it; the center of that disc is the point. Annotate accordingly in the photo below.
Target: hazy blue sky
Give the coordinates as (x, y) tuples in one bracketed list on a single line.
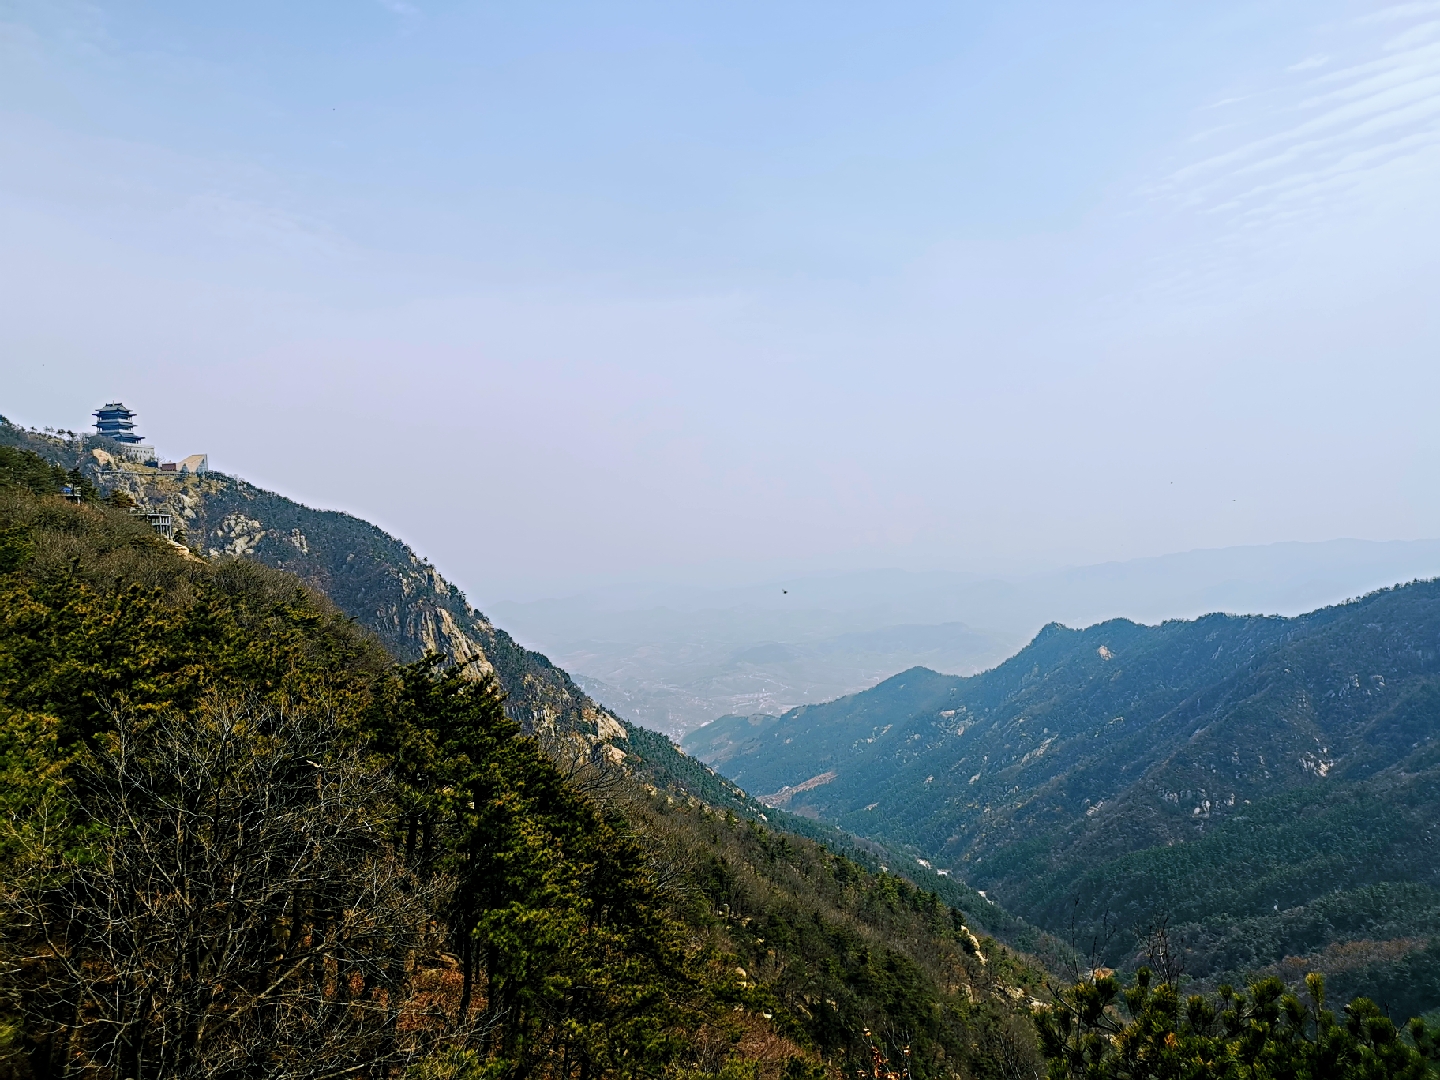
[(566, 292)]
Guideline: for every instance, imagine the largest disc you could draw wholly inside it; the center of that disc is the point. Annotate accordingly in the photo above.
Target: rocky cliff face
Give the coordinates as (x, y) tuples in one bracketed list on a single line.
[(372, 576)]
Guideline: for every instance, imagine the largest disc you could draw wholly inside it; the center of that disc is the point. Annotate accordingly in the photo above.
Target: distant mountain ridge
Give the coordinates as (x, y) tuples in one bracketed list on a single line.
[(676, 658), (1256, 779), (680, 683)]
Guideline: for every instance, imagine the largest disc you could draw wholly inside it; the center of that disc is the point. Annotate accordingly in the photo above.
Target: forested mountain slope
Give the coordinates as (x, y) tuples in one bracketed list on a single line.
[(407, 605), (204, 750), (1271, 785), (370, 575)]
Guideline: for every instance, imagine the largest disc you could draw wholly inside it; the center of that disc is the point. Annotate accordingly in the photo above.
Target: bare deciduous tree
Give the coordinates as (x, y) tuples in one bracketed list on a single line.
[(238, 913), (1164, 955)]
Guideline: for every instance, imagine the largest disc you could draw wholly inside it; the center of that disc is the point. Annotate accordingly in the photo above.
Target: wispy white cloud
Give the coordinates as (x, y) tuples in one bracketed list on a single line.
[(1396, 12), (1326, 173), (1414, 36), (248, 221), (1328, 144), (399, 7), (1225, 101)]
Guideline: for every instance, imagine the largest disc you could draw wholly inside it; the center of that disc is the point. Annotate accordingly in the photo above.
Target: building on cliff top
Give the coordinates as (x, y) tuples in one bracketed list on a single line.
[(116, 422), (193, 465)]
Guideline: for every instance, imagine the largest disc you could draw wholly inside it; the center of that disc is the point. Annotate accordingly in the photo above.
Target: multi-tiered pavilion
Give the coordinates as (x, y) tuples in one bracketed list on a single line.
[(115, 421)]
